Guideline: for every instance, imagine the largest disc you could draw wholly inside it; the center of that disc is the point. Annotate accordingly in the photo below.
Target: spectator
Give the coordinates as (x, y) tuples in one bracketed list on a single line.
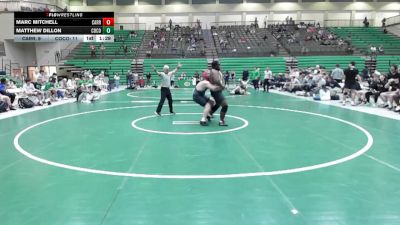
[(267, 78), (92, 49), (116, 80), (365, 74), (333, 84), (30, 90), (226, 78), (324, 94), (376, 87), (70, 87), (125, 49), (350, 84), (196, 76), (393, 72), (396, 99), (3, 91), (393, 85), (133, 34), (102, 49), (337, 74), (129, 78), (255, 77), (51, 92), (366, 22), (245, 75), (362, 89), (233, 75), (7, 100), (57, 56), (148, 79)]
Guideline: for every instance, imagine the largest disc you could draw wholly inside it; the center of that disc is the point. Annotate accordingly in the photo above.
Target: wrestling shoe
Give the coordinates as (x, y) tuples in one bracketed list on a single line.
[(222, 123), (172, 113), (203, 123), (157, 113)]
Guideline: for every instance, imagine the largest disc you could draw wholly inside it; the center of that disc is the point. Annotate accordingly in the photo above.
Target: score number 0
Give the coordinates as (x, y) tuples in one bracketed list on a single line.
[(108, 22), (108, 25)]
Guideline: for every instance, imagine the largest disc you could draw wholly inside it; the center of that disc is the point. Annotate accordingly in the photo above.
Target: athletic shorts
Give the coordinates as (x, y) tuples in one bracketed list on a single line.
[(351, 86), (200, 98), (218, 97)]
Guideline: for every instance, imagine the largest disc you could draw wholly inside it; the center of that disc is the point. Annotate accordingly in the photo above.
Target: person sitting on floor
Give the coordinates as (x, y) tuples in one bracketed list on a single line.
[(30, 90), (3, 90), (324, 94), (51, 91), (376, 87), (393, 85), (7, 100)]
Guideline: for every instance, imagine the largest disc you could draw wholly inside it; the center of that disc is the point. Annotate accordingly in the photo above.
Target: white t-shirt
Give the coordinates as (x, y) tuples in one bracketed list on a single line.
[(324, 95), (166, 79), (29, 87), (295, 74), (70, 84), (267, 74), (116, 77)]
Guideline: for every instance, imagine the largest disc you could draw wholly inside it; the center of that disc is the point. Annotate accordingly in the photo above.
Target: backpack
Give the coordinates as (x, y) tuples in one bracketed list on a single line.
[(34, 99), (25, 103), (3, 106)]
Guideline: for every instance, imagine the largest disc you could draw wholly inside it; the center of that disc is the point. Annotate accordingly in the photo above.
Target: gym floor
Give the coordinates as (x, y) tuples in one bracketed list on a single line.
[(281, 160)]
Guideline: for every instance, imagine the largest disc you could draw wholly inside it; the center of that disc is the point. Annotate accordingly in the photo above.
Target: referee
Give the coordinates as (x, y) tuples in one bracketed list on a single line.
[(165, 87)]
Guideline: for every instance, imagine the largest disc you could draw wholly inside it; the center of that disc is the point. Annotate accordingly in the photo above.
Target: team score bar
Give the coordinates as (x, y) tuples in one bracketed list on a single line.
[(34, 22), (63, 30), (64, 38)]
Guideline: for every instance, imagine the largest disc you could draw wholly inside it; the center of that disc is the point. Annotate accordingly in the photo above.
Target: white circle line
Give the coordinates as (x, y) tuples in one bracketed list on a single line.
[(245, 124), (364, 149), (180, 95)]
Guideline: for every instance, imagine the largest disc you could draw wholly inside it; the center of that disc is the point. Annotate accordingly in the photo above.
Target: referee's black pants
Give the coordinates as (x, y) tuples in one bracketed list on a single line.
[(266, 83), (165, 94)]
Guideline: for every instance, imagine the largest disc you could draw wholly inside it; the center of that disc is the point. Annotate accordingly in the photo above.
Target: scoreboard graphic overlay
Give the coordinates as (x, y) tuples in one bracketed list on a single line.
[(64, 26)]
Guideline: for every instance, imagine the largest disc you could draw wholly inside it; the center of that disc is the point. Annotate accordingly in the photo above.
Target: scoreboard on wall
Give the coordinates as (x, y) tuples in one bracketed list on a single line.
[(64, 26)]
